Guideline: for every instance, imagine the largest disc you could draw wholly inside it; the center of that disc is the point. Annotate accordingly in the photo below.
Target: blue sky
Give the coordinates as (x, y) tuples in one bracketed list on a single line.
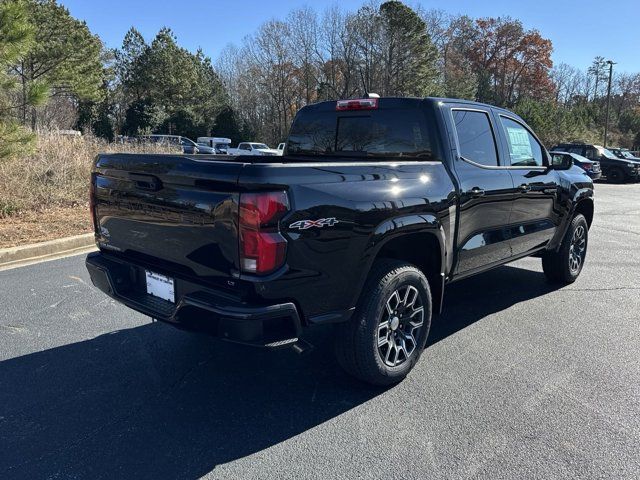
[(579, 30)]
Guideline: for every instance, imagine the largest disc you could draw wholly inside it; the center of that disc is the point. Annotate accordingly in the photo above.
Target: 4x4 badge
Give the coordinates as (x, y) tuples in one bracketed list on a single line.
[(321, 222)]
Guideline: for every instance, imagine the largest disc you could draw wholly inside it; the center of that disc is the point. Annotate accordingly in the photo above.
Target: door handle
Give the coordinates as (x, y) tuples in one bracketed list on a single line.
[(476, 192), (525, 187)]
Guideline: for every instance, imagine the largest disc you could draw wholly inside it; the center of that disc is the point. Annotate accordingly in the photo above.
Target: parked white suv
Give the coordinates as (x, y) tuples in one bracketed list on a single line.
[(251, 148)]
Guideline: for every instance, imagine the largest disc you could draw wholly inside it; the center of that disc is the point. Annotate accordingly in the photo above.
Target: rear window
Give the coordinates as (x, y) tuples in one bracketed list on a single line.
[(388, 132)]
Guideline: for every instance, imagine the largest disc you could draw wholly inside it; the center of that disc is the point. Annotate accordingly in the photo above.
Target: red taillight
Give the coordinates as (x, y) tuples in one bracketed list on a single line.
[(359, 104), (262, 248), (586, 166)]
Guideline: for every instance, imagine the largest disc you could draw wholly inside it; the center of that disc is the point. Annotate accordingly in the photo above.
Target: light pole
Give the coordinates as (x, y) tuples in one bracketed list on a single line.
[(606, 121)]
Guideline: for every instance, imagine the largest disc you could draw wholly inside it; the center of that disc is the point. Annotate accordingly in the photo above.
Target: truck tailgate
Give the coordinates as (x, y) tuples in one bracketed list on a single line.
[(174, 213)]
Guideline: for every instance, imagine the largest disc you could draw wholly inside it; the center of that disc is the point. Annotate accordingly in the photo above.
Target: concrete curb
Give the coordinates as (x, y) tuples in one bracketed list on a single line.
[(44, 250)]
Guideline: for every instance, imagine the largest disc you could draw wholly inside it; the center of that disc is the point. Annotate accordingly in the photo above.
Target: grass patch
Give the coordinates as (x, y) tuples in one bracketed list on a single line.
[(44, 193)]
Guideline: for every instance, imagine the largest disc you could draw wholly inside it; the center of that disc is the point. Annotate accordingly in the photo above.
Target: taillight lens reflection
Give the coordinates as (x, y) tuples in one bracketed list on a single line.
[(586, 166)]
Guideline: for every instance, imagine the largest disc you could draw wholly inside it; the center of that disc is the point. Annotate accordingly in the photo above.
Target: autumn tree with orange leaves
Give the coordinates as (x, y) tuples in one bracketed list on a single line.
[(510, 62)]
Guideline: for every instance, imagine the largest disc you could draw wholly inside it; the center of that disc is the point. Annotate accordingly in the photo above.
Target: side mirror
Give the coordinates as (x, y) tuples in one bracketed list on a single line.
[(561, 162)]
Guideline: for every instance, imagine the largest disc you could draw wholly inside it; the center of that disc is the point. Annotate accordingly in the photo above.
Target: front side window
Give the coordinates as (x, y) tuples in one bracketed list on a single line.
[(475, 137), (524, 149)]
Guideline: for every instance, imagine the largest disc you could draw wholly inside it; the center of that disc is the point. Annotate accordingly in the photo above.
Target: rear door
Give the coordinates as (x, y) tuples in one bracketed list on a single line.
[(485, 191), (534, 218)]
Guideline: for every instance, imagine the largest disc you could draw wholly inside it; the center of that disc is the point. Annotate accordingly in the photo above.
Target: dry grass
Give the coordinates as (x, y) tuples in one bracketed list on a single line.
[(44, 195), (45, 224)]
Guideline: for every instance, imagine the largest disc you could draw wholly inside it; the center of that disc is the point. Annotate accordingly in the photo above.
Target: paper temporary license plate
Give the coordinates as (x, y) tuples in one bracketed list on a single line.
[(160, 286)]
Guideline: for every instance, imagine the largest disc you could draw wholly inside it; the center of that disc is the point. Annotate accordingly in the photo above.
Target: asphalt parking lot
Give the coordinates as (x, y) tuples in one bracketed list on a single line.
[(519, 380)]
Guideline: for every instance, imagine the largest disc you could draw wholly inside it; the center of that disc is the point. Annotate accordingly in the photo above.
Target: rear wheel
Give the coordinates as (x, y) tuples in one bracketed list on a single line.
[(564, 265), (385, 337), (616, 175)]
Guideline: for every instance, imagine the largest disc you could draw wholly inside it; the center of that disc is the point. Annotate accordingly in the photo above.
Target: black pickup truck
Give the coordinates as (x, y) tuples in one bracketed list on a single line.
[(376, 205), (617, 170)]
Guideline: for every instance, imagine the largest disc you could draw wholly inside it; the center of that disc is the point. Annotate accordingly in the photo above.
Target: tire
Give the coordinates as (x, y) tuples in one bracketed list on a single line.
[(616, 175), (395, 299), (565, 264)]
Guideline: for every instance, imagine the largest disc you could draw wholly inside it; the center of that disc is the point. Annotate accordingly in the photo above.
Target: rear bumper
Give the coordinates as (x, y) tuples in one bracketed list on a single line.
[(197, 308)]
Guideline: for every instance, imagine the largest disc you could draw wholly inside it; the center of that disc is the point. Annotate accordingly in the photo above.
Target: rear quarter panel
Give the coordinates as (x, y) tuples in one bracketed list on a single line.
[(327, 265)]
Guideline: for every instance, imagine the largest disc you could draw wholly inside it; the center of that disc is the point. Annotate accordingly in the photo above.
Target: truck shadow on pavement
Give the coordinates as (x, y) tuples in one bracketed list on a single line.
[(154, 402), (472, 299)]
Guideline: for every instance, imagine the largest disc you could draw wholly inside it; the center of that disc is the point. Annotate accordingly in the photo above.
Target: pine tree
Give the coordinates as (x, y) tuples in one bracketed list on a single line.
[(16, 38), (410, 55), (64, 58)]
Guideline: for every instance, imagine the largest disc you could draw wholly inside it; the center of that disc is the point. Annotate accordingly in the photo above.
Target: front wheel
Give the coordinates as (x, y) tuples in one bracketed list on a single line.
[(564, 265), (386, 336)]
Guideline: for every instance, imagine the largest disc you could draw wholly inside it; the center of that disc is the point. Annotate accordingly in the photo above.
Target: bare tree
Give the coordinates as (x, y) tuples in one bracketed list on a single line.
[(304, 43), (566, 80)]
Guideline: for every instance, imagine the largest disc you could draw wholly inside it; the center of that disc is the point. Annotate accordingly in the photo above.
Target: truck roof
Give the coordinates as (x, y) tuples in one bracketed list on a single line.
[(435, 101)]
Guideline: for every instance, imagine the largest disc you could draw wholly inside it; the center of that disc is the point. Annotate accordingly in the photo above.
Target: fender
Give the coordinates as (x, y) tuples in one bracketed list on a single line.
[(580, 195), (396, 227), (407, 224)]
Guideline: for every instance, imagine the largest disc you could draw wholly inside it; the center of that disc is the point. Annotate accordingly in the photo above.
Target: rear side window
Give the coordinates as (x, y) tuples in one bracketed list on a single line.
[(389, 132), (524, 149), (475, 137)]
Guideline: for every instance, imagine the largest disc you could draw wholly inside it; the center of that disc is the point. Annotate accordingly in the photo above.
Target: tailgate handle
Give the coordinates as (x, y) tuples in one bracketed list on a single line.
[(146, 182)]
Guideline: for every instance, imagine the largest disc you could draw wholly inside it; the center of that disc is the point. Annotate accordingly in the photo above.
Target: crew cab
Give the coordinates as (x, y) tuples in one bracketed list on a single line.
[(375, 207), (617, 170), (252, 148)]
